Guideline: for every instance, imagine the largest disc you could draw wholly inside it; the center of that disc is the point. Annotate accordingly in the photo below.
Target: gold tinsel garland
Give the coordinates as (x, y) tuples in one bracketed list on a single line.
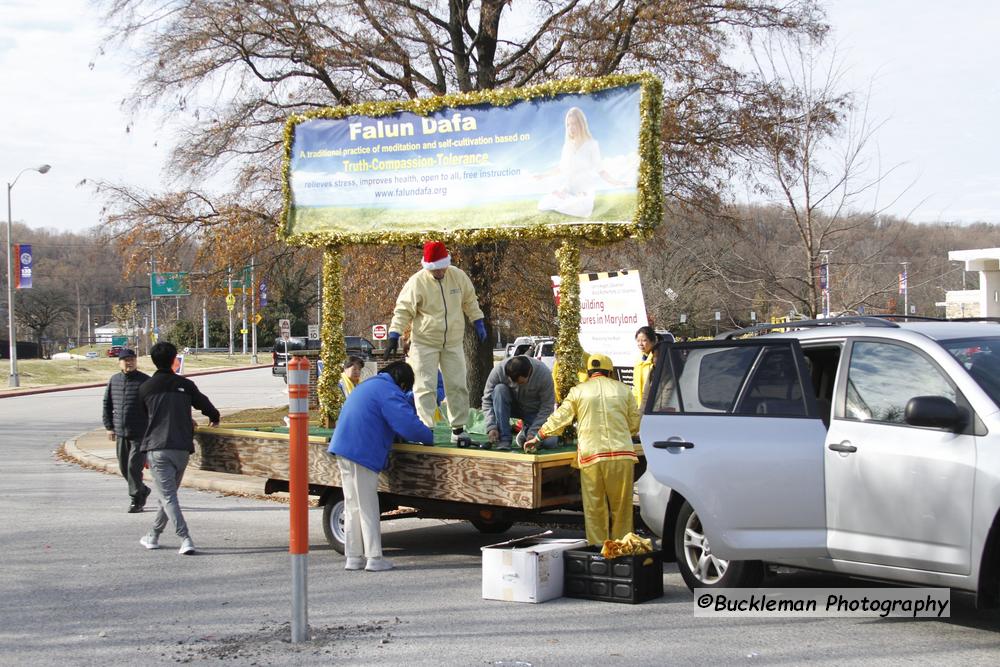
[(334, 348), (649, 213), (649, 206), (568, 349)]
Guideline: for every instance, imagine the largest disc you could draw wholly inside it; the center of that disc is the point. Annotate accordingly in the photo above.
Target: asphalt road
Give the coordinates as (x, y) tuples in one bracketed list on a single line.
[(78, 589)]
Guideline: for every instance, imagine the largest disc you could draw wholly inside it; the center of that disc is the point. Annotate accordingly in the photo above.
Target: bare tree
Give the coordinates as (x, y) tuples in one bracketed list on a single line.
[(230, 72), (818, 163), (40, 309)]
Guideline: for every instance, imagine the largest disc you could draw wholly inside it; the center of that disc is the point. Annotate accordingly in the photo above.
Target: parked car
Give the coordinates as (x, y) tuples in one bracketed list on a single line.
[(356, 345), (542, 348), (114, 350), (859, 446)]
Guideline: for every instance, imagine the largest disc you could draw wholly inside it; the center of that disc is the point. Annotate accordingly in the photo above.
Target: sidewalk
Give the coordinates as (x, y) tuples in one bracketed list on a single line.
[(93, 450)]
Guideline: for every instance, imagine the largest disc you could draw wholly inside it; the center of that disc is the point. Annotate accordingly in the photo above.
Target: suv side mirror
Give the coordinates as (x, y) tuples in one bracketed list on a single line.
[(935, 412)]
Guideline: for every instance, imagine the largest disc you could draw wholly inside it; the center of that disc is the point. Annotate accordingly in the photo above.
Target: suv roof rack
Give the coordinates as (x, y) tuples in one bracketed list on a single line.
[(886, 320), (863, 320)]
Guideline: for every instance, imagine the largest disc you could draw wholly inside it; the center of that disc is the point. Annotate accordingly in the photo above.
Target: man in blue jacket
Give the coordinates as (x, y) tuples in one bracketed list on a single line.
[(373, 415)]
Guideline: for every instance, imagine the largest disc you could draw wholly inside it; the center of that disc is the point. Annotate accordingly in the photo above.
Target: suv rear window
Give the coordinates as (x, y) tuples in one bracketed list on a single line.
[(742, 380), (721, 376)]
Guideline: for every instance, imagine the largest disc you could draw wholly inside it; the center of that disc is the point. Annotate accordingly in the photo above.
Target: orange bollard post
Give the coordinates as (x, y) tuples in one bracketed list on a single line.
[(298, 487)]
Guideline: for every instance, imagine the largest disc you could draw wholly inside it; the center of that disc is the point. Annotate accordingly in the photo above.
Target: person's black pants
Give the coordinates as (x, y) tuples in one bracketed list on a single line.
[(130, 463)]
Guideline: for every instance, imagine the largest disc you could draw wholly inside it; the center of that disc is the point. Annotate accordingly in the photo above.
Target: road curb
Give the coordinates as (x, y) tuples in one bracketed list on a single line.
[(92, 385), (245, 486)]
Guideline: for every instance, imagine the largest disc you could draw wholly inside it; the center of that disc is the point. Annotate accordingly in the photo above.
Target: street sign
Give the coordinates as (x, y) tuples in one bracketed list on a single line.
[(230, 302), (240, 279), (380, 332), (257, 318), (243, 331), (313, 332), (169, 284), (119, 340), (285, 327)]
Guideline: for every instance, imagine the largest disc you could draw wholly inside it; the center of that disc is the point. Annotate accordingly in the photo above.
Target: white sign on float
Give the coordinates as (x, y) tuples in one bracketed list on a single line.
[(611, 310)]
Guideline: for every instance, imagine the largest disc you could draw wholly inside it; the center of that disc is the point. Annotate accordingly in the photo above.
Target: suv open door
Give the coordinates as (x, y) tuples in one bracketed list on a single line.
[(717, 417)]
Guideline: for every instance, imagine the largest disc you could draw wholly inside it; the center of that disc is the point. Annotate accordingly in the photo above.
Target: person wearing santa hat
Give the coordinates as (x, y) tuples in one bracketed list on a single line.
[(436, 301)]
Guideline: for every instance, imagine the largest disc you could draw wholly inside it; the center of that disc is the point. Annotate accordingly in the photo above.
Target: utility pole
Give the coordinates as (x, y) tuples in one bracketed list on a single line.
[(152, 299), (253, 311), (243, 310), (204, 322), (229, 306)]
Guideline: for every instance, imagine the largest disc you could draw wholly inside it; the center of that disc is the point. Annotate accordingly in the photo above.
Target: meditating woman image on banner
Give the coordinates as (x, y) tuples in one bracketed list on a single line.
[(579, 172)]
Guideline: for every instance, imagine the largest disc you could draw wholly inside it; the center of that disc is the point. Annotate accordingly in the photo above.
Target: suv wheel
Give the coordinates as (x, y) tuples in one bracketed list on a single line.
[(699, 567)]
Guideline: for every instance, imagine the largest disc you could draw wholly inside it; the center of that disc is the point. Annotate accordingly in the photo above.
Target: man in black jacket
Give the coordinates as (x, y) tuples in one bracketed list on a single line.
[(125, 421), (169, 439)]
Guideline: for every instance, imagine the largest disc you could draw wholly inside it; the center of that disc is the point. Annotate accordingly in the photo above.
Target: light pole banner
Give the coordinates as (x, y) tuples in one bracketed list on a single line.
[(24, 266), (611, 310), (561, 160)]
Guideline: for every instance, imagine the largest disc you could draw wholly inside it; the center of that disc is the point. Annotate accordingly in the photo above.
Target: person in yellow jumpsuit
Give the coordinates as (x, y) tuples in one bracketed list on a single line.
[(645, 340), (607, 418), (435, 301)]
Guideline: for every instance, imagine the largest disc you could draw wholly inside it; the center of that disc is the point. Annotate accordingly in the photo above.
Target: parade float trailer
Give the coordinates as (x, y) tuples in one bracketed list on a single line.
[(492, 490)]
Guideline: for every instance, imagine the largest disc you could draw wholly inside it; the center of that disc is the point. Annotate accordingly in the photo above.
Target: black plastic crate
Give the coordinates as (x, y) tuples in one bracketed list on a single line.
[(629, 579)]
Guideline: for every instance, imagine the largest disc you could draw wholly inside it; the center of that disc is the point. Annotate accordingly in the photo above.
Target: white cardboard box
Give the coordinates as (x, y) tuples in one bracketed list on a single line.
[(528, 569)]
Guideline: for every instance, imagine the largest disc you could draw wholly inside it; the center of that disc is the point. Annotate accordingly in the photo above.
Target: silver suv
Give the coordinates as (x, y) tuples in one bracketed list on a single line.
[(860, 446)]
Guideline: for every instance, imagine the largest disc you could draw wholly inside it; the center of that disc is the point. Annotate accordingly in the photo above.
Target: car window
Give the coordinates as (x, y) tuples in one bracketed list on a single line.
[(883, 377), (760, 379), (720, 377), (981, 358), (774, 387)]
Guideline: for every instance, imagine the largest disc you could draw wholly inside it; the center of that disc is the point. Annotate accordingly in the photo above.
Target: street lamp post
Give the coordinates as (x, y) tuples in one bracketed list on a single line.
[(12, 381)]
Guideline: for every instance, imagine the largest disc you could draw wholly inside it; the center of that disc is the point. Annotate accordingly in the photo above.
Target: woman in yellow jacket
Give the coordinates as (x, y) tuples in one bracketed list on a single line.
[(645, 339), (607, 418)]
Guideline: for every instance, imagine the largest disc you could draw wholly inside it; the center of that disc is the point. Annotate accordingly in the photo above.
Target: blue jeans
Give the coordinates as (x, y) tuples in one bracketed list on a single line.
[(505, 407)]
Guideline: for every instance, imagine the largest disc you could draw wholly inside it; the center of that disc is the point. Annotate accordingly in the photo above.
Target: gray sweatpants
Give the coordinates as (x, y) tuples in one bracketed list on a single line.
[(167, 468)]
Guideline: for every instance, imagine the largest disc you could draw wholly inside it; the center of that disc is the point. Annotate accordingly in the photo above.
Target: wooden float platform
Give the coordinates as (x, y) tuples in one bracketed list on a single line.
[(444, 472)]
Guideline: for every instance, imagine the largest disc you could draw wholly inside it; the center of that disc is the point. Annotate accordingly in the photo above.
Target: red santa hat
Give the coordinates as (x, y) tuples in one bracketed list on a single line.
[(435, 256)]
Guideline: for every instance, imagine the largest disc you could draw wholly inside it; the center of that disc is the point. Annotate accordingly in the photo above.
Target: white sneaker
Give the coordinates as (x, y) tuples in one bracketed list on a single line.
[(378, 565), (355, 563), (187, 547), (150, 541)]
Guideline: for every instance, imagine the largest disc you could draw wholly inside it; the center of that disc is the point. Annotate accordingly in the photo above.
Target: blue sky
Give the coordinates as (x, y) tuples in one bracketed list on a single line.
[(930, 66)]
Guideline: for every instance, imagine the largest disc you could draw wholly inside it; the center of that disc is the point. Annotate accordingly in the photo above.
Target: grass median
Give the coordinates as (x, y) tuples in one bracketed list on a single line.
[(38, 373)]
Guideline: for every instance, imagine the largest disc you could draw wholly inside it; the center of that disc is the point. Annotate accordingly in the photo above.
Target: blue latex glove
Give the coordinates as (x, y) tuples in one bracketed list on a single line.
[(480, 327), (393, 344)]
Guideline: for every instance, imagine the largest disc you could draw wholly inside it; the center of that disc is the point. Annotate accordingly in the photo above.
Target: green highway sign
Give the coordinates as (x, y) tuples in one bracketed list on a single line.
[(239, 279), (119, 340), (169, 284)]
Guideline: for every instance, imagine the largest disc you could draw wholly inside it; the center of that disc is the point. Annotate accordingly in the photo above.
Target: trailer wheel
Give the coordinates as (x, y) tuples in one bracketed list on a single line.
[(491, 527), (333, 521)]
